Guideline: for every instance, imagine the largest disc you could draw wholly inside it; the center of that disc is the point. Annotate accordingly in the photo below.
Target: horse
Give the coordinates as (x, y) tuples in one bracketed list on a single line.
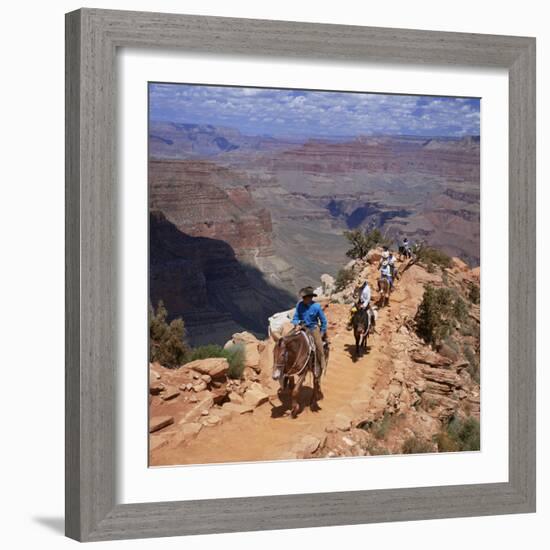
[(405, 251), (384, 288), (360, 322), (294, 355)]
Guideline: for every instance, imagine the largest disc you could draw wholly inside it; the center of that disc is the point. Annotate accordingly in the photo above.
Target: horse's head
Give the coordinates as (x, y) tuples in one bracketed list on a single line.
[(360, 320), (286, 350)]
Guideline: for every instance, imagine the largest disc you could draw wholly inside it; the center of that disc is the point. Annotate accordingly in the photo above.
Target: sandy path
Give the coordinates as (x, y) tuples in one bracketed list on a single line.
[(265, 434)]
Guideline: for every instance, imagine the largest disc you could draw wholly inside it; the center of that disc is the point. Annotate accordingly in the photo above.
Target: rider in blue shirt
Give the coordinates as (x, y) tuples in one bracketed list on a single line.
[(311, 314)]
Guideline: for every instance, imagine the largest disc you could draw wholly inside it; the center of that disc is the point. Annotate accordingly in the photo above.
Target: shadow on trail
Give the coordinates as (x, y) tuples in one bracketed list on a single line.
[(304, 400), (350, 348)]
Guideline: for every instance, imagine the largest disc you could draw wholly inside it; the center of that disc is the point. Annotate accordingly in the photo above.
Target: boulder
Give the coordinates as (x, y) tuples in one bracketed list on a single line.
[(215, 367), (158, 422), (244, 338), (200, 386), (212, 420), (207, 402), (328, 284), (236, 398), (255, 396), (191, 429), (342, 422), (307, 446), (170, 392)]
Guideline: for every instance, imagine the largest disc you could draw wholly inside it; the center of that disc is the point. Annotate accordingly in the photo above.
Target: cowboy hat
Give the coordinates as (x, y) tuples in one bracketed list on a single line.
[(307, 291)]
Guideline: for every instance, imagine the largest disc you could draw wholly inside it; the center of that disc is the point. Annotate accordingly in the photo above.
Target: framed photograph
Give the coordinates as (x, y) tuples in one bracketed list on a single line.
[(299, 284)]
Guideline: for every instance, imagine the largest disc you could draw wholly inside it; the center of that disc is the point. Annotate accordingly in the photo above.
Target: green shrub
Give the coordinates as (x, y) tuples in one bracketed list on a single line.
[(465, 432), (375, 450), (433, 317), (473, 294), (234, 356), (381, 427), (460, 310), (438, 314), (473, 367), (460, 435), (431, 257), (343, 278), (415, 445), (167, 343), (445, 444)]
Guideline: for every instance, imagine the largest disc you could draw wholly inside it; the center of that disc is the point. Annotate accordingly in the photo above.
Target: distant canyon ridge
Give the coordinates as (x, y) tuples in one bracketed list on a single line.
[(239, 223)]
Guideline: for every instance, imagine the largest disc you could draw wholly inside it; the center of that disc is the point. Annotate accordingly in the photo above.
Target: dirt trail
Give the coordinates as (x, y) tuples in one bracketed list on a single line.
[(265, 434)]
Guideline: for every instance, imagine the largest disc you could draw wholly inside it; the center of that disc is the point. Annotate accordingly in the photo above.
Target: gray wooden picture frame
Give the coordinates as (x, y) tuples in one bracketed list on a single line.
[(92, 39)]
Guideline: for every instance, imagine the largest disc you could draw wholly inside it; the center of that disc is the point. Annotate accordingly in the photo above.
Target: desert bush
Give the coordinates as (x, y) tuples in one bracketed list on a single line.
[(415, 445), (343, 278), (234, 356), (473, 367), (375, 450), (431, 257), (381, 427), (439, 313), (167, 343), (445, 444), (473, 294), (434, 315), (460, 310), (460, 435)]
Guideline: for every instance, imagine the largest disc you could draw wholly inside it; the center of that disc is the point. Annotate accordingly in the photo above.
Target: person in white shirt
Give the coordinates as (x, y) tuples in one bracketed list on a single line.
[(363, 302), (365, 295)]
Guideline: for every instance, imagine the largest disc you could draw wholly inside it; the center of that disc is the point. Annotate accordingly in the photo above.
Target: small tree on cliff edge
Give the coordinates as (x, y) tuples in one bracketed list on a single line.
[(361, 242), (167, 343)]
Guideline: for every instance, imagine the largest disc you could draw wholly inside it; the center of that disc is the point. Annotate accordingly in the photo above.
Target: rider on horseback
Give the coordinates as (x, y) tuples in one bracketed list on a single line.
[(392, 260), (310, 314), (386, 271), (405, 248), (364, 303)]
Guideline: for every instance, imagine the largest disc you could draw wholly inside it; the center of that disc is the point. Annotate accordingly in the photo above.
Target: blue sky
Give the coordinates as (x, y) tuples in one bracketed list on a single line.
[(300, 113)]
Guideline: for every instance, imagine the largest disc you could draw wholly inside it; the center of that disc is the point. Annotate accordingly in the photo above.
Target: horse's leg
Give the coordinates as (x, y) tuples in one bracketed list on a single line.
[(356, 343), (315, 394), (295, 393)]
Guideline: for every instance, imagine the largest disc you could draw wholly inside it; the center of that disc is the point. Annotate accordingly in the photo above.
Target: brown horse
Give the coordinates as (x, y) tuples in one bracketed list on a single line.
[(360, 321), (384, 288), (294, 355)]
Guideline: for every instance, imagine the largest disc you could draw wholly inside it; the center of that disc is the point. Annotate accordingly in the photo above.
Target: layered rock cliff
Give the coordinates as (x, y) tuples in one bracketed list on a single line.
[(202, 280)]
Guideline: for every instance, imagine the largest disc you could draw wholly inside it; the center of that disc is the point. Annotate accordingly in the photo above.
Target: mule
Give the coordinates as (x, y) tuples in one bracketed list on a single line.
[(294, 356), (360, 322), (384, 287)]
